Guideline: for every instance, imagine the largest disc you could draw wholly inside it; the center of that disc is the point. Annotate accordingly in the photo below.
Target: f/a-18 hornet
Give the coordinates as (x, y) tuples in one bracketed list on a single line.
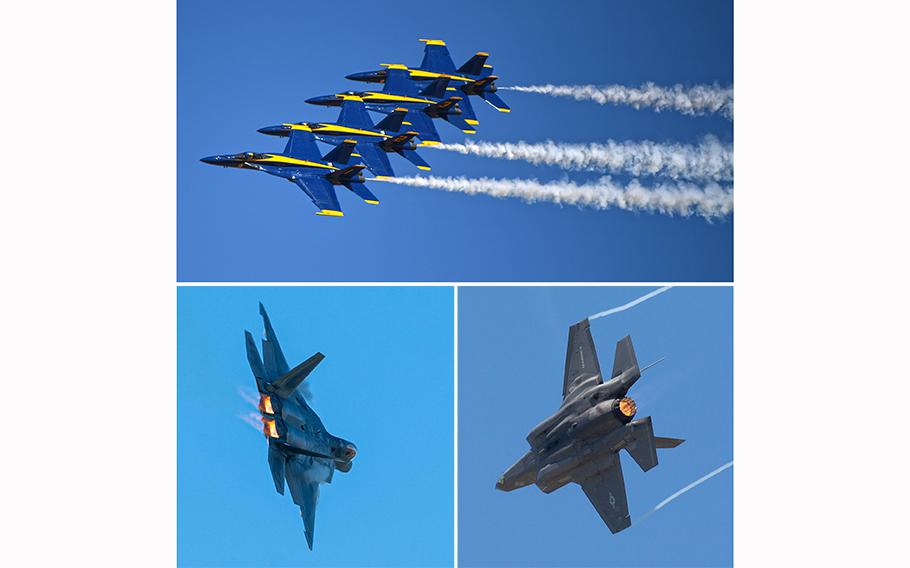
[(374, 142), (301, 451), (581, 442), (422, 105), (301, 164), (475, 77)]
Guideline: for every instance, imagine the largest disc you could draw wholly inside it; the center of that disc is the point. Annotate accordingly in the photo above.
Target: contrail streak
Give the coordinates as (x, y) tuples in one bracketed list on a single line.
[(253, 419), (708, 161), (700, 99), (631, 304), (249, 396), (676, 198), (685, 489)]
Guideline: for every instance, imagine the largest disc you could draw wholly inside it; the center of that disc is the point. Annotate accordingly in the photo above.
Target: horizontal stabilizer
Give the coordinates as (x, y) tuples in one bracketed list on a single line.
[(287, 383), (474, 65), (392, 122), (362, 191), (415, 158), (460, 123), (643, 448), (276, 464), (340, 154), (664, 443), (495, 101)]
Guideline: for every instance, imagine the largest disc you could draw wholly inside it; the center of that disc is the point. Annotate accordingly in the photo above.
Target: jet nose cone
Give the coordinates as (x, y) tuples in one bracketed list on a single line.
[(364, 76), (213, 160), (323, 100), (274, 130)]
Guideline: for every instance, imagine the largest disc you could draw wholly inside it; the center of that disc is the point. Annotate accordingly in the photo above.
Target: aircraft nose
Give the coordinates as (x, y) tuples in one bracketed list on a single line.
[(323, 100), (274, 130), (364, 76), (213, 160)]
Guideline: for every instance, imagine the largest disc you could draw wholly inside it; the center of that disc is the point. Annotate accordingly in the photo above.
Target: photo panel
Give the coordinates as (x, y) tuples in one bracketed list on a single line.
[(341, 396), (595, 426)]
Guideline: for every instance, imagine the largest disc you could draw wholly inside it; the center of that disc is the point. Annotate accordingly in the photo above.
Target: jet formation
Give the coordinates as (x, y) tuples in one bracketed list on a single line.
[(581, 441), (302, 453), (411, 99)]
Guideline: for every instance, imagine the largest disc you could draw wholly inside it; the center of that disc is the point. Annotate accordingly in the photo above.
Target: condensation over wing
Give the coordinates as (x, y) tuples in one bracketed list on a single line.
[(581, 358), (607, 492)]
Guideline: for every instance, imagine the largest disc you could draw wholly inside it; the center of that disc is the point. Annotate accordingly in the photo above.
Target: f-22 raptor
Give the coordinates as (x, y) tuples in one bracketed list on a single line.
[(581, 442), (301, 451)]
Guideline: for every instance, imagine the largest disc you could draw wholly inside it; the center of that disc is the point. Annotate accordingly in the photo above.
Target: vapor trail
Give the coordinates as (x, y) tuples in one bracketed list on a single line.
[(253, 419), (676, 198), (700, 99), (685, 489), (709, 160), (249, 396), (631, 304)]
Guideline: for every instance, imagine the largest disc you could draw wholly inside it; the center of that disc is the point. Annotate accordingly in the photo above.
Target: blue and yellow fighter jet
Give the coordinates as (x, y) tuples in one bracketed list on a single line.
[(374, 142), (475, 77), (400, 92), (301, 163)]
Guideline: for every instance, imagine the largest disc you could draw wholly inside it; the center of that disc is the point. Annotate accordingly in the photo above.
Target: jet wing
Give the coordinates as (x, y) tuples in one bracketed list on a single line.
[(302, 145), (322, 192), (607, 492), (355, 115), (398, 82), (303, 475), (581, 358), (376, 159), (436, 57)]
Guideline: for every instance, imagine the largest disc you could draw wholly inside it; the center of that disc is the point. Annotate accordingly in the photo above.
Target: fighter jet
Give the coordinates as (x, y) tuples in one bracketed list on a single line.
[(301, 451), (301, 164), (374, 142), (473, 78), (422, 105), (581, 441)]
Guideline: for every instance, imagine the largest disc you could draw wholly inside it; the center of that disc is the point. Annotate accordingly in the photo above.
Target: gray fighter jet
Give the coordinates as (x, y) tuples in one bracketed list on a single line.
[(581, 442), (301, 451)]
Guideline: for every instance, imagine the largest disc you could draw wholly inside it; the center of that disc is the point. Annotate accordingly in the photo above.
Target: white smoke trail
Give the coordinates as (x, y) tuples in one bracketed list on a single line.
[(696, 100), (708, 161), (677, 198), (631, 304), (685, 489)]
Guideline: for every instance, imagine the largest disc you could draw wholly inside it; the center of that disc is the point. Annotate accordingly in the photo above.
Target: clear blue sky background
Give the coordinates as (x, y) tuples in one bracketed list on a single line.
[(386, 384), (512, 346), (244, 65)]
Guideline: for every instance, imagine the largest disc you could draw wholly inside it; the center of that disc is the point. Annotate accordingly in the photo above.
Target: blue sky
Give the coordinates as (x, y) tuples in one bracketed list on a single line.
[(241, 67), (386, 384), (512, 344)]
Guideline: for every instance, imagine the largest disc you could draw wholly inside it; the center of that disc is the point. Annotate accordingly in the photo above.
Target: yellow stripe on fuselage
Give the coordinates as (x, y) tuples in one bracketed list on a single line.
[(380, 97), (287, 160), (332, 128), (420, 74)]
